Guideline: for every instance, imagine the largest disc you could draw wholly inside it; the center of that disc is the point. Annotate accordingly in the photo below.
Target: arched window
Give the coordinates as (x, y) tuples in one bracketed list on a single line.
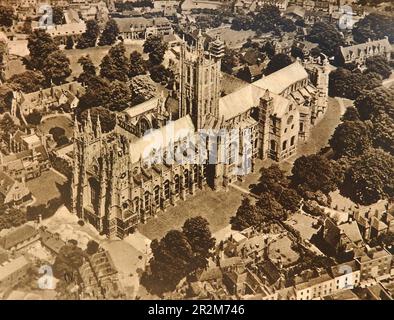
[(144, 126), (273, 145), (195, 173), (166, 189), (177, 184), (186, 178), (147, 200), (136, 205), (156, 193), (94, 191)]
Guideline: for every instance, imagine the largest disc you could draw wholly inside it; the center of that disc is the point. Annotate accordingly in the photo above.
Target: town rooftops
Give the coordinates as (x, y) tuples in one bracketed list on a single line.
[(9, 267), (352, 231), (357, 49), (18, 235), (314, 281)]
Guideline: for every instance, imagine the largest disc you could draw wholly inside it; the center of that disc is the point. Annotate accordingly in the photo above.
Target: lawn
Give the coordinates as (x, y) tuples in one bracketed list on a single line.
[(96, 54), (216, 206), (61, 121), (45, 187), (281, 248), (303, 224)]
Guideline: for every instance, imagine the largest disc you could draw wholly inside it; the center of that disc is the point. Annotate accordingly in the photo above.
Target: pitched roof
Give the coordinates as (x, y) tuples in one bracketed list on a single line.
[(18, 235), (366, 46), (8, 268), (352, 231), (280, 80), (162, 138), (6, 182), (142, 107)]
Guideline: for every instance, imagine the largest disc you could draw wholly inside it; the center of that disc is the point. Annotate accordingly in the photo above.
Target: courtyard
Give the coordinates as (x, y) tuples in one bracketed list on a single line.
[(61, 121), (45, 187)]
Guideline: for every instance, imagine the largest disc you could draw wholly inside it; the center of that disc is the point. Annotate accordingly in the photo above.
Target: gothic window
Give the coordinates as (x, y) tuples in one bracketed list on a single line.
[(292, 140), (94, 191), (136, 204), (177, 184), (273, 145), (301, 127), (284, 145), (146, 200), (232, 151), (156, 192), (195, 172), (166, 189), (186, 178), (144, 126)]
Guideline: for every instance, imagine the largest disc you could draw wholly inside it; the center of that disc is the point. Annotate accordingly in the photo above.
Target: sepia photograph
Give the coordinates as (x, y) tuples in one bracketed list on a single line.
[(194, 155)]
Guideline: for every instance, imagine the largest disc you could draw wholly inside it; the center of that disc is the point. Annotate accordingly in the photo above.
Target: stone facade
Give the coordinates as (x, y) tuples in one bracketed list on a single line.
[(150, 160)]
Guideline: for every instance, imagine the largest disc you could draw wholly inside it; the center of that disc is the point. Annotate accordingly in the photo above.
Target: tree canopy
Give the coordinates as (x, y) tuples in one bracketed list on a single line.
[(314, 173), (109, 34), (115, 65), (351, 138), (40, 45), (327, 36), (370, 178), (56, 67), (89, 38), (278, 61), (28, 81)]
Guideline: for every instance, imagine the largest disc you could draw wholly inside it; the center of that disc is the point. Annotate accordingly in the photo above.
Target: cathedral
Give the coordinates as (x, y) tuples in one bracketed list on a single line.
[(154, 157)]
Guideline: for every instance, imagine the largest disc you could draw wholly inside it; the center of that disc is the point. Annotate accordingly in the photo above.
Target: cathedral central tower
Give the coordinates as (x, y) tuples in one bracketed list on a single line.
[(199, 83)]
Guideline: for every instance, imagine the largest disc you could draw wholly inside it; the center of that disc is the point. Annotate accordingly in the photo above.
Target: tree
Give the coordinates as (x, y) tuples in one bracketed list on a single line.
[(88, 69), (374, 26), (373, 102), (171, 262), (351, 138), (197, 232), (107, 118), (370, 178), (68, 261), (114, 65), (97, 93), (109, 34), (327, 36), (27, 28), (380, 65), (160, 74), (278, 62), (89, 38), (351, 114), (57, 15), (314, 173), (156, 49), (56, 67), (246, 216), (266, 19), (296, 52), (137, 64), (40, 45), (11, 217), (27, 82), (242, 22), (142, 88), (272, 179), (6, 16), (34, 118), (348, 84), (288, 25), (7, 127), (120, 96), (383, 132), (290, 200), (6, 98), (229, 61), (69, 43), (269, 208)]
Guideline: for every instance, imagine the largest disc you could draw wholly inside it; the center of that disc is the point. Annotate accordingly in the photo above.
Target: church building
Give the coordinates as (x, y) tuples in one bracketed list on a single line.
[(153, 158)]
